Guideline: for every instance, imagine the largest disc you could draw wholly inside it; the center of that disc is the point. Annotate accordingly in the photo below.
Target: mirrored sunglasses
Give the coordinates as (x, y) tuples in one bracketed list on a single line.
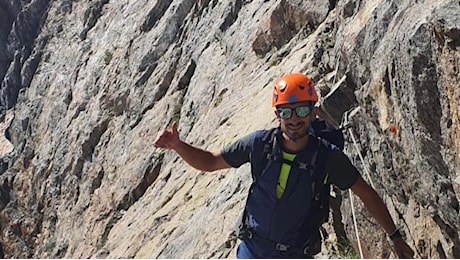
[(286, 112)]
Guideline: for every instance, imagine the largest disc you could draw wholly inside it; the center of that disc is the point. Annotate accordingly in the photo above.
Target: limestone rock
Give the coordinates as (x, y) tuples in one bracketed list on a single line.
[(87, 85)]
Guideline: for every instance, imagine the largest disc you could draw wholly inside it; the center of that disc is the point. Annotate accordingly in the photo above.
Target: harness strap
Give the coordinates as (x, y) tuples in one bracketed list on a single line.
[(307, 250)]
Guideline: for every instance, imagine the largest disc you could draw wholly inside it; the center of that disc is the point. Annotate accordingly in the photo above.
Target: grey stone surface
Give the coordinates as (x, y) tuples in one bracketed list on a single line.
[(86, 86)]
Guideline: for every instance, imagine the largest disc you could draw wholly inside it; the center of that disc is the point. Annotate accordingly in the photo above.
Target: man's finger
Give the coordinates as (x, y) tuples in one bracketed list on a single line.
[(174, 128), (158, 138), (158, 143)]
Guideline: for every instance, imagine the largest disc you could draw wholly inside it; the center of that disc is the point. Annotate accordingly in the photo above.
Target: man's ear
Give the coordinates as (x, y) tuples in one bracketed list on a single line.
[(314, 112)]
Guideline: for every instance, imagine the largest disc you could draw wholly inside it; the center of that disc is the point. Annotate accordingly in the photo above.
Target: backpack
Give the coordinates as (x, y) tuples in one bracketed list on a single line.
[(263, 155)]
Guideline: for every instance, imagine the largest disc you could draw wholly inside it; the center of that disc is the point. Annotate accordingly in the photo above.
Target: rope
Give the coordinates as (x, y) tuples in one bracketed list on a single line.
[(347, 125), (355, 223)]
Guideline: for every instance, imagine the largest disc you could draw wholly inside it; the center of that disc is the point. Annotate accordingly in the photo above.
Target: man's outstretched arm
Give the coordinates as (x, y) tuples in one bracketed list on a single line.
[(195, 157), (379, 211)]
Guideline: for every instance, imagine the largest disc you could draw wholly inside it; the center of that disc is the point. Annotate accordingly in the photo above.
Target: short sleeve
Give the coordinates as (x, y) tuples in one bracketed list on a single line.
[(341, 171), (238, 153)]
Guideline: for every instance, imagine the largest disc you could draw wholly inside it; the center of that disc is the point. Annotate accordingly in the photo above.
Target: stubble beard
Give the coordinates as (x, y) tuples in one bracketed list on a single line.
[(294, 132)]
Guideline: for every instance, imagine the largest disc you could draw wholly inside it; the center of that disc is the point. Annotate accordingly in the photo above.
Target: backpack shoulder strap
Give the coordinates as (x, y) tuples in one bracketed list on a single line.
[(263, 151), (263, 145), (320, 186)]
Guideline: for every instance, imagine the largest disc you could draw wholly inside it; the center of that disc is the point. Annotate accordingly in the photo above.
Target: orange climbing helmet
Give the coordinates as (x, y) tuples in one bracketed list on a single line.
[(292, 88)]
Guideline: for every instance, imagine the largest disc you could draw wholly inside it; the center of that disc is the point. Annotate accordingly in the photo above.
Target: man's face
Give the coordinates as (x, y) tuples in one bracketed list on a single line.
[(295, 118)]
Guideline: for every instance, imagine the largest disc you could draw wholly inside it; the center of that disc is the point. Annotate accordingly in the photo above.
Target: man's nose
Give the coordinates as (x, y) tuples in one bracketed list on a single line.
[(294, 116)]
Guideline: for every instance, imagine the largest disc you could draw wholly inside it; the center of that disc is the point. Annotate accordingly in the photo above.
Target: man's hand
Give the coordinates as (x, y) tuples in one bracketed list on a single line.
[(402, 249), (194, 156), (168, 138)]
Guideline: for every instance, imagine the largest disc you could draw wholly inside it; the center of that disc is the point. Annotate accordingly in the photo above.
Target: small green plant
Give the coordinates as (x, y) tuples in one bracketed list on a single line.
[(176, 112), (351, 254), (107, 57), (330, 42), (347, 251), (219, 98)]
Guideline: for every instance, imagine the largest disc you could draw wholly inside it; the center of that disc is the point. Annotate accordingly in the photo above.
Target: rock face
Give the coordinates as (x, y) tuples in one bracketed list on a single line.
[(86, 86)]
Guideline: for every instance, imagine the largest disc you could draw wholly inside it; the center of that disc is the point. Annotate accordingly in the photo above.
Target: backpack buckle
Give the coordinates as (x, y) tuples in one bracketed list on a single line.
[(317, 196), (245, 234), (303, 166), (282, 247), (306, 250)]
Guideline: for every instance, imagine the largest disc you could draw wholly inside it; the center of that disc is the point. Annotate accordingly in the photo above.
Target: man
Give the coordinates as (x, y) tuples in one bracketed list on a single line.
[(281, 217)]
